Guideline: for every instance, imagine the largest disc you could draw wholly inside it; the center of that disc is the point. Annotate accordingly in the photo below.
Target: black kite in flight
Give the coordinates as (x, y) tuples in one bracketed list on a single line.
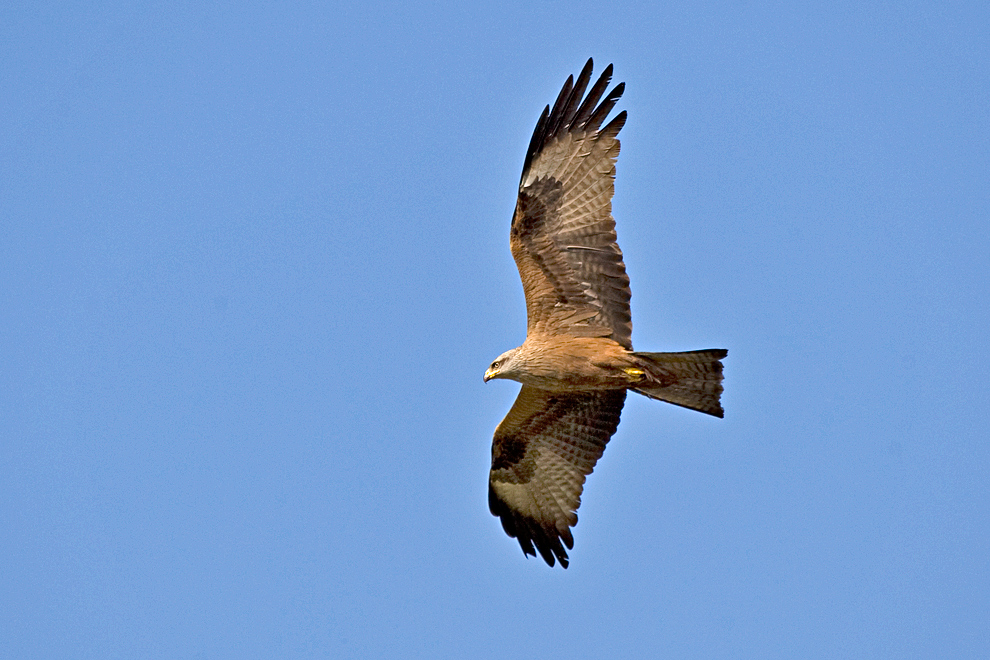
[(577, 361)]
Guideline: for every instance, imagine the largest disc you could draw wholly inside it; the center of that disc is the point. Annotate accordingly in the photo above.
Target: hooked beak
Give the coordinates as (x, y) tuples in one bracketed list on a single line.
[(490, 374)]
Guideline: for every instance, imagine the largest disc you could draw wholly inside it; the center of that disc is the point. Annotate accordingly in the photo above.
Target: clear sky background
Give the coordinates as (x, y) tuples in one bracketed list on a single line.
[(254, 262)]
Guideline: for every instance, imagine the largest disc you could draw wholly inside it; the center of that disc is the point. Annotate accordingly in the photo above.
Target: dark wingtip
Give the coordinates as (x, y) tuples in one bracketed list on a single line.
[(570, 110), (534, 539)]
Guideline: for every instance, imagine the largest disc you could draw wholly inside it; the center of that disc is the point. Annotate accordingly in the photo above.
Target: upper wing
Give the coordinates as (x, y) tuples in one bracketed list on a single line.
[(563, 234), (542, 452)]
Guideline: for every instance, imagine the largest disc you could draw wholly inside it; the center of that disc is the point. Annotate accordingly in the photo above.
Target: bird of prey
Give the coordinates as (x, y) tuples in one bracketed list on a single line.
[(577, 361)]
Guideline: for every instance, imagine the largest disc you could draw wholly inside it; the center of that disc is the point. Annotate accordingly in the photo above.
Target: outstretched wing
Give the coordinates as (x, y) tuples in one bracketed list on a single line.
[(542, 452), (563, 235)]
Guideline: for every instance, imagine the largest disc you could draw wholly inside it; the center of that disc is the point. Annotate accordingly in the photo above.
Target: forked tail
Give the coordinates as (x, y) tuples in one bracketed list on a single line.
[(692, 379)]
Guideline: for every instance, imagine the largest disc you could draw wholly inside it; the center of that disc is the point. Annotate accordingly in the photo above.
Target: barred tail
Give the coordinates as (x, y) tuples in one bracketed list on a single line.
[(692, 379)]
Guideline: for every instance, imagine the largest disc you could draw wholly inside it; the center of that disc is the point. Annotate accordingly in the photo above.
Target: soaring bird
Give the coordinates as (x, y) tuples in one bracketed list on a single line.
[(577, 361)]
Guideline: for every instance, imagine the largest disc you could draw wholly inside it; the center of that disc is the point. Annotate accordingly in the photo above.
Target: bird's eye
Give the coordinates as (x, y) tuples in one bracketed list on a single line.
[(495, 364)]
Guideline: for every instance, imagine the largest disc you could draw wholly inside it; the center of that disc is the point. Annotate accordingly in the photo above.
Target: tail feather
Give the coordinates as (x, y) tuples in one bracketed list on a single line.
[(692, 379)]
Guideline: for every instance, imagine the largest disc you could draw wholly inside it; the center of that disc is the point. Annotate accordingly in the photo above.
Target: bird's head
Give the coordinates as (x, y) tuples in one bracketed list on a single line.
[(503, 366)]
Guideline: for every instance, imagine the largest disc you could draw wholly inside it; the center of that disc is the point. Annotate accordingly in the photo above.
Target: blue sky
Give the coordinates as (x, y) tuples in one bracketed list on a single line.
[(255, 262)]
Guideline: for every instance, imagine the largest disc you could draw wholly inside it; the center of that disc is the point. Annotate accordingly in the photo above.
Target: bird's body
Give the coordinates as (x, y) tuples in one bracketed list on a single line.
[(577, 361), (571, 364)]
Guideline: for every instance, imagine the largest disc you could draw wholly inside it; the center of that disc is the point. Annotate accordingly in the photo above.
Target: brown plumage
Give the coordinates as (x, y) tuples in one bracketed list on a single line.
[(577, 361)]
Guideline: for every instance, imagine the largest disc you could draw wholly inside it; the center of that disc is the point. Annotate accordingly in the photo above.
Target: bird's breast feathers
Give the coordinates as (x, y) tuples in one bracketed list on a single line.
[(567, 364)]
